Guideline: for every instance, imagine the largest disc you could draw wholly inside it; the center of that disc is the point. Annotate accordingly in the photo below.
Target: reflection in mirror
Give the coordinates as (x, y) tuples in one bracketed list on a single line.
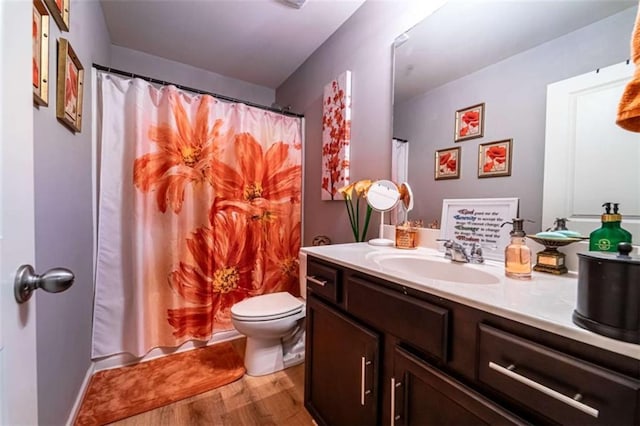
[(502, 54), (406, 198), (382, 196)]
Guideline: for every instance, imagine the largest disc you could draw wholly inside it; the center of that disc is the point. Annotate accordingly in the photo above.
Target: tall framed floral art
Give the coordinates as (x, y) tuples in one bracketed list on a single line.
[(60, 12), (336, 136), (40, 44), (70, 82)]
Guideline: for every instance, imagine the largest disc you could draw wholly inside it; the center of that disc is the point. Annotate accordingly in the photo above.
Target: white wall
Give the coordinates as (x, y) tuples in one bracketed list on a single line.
[(363, 45), (514, 93), (175, 72)]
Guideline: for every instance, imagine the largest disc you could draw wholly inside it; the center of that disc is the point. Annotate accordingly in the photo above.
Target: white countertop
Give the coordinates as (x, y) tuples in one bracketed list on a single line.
[(546, 301)]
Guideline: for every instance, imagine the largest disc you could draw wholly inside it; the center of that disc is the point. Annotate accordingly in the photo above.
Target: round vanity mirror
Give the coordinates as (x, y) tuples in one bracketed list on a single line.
[(382, 196)]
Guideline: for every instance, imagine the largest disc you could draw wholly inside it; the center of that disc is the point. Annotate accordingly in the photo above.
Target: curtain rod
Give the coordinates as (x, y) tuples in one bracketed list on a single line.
[(191, 89)]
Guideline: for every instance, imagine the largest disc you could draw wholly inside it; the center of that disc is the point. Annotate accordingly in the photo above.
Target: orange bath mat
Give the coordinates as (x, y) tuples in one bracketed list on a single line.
[(122, 392)]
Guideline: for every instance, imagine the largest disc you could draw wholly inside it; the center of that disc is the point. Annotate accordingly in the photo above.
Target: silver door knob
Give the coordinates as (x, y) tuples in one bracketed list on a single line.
[(27, 281)]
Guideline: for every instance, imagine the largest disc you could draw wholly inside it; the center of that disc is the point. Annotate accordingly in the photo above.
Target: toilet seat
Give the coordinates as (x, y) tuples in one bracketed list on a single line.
[(267, 307)]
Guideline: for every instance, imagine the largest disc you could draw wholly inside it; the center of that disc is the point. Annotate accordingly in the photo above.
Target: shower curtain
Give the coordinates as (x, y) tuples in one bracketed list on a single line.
[(199, 208)]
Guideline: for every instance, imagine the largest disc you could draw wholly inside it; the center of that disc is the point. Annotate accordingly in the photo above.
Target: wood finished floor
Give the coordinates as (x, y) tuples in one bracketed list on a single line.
[(275, 399)]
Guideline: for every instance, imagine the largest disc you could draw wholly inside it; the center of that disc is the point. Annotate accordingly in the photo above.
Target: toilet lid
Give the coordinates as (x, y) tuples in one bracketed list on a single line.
[(267, 306)]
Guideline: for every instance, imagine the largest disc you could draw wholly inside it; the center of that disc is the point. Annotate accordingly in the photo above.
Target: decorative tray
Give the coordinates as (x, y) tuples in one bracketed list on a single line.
[(556, 242)]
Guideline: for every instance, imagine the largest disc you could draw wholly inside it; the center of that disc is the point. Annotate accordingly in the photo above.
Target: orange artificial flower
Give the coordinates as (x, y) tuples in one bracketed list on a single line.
[(218, 275), (262, 181), (184, 156)]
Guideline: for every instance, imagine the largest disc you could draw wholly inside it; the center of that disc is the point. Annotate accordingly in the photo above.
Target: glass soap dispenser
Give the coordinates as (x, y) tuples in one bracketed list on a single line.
[(517, 256)]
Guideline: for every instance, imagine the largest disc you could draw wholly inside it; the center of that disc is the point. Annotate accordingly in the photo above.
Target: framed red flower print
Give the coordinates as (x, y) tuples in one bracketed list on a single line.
[(70, 87), (447, 165), (469, 123), (40, 57), (494, 159), (60, 12)]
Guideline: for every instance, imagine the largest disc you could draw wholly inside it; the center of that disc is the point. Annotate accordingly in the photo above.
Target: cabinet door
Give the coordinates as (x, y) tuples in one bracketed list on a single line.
[(422, 395), (341, 382)]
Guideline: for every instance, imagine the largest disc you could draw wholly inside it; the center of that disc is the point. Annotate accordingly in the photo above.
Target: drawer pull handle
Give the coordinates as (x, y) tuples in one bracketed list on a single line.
[(393, 401), (316, 280), (573, 402), (394, 386), (363, 374)]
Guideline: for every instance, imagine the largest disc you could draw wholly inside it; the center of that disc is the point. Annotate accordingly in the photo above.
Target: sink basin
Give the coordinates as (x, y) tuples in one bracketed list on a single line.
[(436, 269)]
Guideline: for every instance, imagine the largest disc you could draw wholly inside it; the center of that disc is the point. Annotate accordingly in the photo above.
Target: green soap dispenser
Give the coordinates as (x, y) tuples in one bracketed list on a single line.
[(607, 237)]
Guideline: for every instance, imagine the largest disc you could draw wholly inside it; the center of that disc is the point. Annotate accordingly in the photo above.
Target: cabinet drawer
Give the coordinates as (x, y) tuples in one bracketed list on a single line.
[(323, 280), (560, 387), (424, 395), (417, 323)]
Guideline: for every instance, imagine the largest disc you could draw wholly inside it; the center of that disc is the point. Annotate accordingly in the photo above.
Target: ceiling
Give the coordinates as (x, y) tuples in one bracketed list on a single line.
[(258, 41), (467, 35)]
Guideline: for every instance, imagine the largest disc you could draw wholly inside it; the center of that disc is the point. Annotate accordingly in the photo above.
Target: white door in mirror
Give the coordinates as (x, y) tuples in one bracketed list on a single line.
[(382, 196)]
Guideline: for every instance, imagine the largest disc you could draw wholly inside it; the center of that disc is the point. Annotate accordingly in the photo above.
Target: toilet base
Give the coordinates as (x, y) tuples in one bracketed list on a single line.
[(266, 356), (263, 356)]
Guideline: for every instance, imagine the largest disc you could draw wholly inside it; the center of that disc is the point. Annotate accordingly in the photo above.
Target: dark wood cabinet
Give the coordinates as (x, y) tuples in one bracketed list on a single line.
[(341, 386), (381, 353), (422, 395)]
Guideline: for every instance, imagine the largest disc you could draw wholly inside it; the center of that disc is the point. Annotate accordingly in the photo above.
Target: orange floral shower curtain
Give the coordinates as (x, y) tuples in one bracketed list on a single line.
[(199, 208)]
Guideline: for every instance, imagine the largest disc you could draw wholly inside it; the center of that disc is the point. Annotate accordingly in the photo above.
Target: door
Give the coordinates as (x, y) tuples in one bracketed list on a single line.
[(589, 160), (422, 395), (18, 393), (342, 363)]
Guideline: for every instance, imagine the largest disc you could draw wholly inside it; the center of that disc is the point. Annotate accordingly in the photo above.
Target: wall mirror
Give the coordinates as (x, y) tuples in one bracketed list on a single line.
[(502, 54)]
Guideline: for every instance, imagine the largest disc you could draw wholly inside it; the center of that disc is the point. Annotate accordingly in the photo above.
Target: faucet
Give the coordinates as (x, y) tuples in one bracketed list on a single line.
[(457, 253)]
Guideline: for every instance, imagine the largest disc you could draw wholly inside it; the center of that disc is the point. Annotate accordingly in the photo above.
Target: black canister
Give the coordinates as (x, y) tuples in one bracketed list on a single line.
[(609, 294)]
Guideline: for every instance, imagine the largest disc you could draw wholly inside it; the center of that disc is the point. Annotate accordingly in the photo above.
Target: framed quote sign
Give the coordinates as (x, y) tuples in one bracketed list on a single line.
[(478, 221)]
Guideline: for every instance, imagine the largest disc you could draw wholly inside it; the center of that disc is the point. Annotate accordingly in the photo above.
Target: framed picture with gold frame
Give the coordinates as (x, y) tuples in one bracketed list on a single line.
[(469, 123), (447, 165), (70, 86), (494, 159), (60, 12), (40, 40)]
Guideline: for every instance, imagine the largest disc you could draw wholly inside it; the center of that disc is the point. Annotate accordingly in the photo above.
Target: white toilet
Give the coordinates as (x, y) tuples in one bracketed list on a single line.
[(273, 324)]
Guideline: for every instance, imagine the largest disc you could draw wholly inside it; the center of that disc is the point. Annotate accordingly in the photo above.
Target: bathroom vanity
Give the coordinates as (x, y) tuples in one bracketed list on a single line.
[(399, 338)]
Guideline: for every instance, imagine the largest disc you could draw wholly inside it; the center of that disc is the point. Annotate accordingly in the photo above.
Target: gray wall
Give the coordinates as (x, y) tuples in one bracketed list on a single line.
[(514, 93), (176, 72), (362, 45), (63, 223)]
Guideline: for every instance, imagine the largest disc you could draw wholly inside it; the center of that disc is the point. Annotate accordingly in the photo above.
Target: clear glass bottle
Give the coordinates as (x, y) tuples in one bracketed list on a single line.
[(517, 256)]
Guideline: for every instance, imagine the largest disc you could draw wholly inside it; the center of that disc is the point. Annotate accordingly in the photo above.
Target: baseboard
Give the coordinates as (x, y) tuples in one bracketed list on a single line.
[(122, 360), (81, 392)]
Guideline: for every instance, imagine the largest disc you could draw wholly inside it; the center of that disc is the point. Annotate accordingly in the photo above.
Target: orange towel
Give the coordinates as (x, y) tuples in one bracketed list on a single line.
[(629, 107)]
